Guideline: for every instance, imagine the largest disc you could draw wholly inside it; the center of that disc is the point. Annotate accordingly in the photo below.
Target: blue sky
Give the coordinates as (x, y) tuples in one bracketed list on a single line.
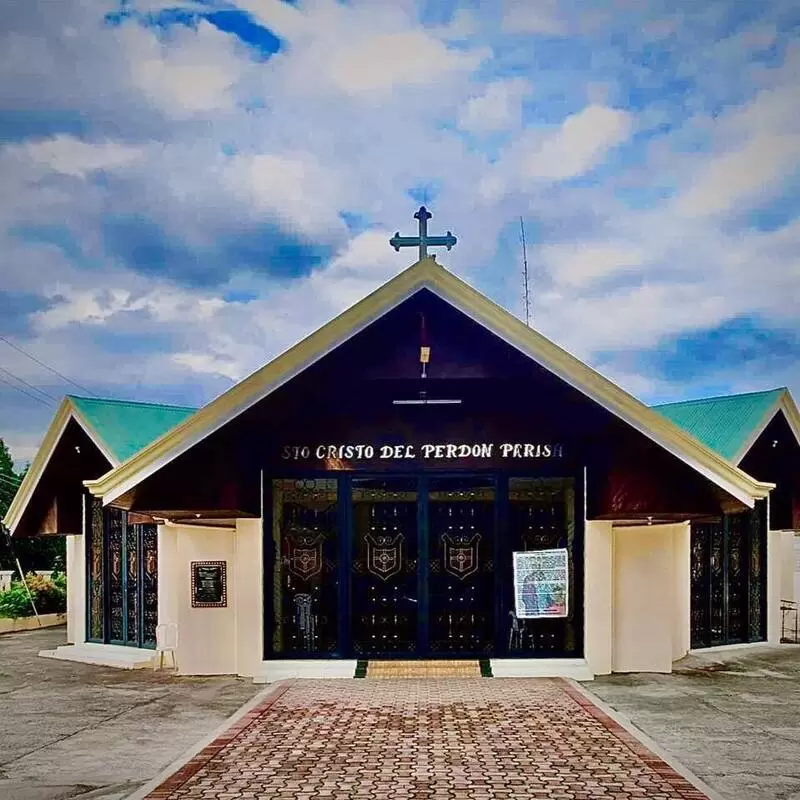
[(190, 187)]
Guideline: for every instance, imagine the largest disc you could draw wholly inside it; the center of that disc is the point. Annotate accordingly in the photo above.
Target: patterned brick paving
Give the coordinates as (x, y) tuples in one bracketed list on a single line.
[(432, 739)]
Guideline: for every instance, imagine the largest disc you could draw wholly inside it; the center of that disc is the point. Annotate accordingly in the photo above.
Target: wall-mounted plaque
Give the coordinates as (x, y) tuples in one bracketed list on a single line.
[(209, 584), (541, 583)]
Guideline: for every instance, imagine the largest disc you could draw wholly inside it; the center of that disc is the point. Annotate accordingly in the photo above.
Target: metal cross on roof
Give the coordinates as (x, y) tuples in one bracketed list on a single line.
[(423, 241)]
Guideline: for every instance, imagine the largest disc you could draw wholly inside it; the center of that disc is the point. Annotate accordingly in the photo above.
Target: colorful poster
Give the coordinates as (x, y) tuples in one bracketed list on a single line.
[(541, 583)]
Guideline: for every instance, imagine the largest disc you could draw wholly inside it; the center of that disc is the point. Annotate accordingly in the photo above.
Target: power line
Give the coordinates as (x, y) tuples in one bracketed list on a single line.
[(32, 396), (48, 367), (25, 383)]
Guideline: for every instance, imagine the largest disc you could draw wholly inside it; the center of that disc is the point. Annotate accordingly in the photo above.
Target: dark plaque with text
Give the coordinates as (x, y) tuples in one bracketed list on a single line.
[(209, 584)]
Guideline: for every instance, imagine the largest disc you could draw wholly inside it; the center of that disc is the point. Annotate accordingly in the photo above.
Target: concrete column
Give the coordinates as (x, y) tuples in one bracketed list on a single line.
[(644, 598), (249, 597), (774, 552), (598, 596), (682, 582), (76, 589), (168, 575)]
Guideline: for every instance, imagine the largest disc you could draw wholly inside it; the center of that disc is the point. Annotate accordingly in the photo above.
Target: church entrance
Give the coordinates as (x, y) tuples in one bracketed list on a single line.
[(423, 574), (421, 566)]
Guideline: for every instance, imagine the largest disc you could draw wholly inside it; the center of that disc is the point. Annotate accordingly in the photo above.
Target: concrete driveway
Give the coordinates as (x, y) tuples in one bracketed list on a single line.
[(733, 719), (72, 730)]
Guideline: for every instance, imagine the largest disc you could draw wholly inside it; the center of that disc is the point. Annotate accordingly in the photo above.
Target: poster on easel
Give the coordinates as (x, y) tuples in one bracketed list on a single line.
[(541, 584)]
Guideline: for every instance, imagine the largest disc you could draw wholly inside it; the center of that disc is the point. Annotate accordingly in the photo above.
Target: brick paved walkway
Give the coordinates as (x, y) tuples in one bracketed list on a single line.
[(434, 739)]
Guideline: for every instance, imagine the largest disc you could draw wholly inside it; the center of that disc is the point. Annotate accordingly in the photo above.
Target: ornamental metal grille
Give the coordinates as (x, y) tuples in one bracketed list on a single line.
[(727, 579), (122, 579)]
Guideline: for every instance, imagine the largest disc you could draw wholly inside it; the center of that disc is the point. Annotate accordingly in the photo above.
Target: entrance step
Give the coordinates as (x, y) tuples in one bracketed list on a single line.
[(423, 669)]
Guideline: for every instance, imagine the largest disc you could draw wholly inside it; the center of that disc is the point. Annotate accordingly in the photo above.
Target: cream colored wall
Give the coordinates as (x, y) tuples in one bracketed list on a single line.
[(598, 596), (213, 641), (206, 636), (249, 605), (774, 587), (788, 558), (76, 589), (647, 581), (682, 582), (796, 560)]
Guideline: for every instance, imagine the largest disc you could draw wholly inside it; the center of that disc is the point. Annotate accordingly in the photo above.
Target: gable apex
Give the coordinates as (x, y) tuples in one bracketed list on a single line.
[(428, 274)]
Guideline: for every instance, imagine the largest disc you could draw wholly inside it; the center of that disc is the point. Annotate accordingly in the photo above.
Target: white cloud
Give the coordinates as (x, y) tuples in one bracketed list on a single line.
[(579, 264), (580, 144), (293, 188), (209, 363), (191, 73), (71, 156), (385, 61), (741, 175), (497, 108)]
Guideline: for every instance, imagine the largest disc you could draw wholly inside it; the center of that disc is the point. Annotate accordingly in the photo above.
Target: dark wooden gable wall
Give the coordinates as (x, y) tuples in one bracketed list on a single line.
[(55, 506), (347, 398), (775, 457)]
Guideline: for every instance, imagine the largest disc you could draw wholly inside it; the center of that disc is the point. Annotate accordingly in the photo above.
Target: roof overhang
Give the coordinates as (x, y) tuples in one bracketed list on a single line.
[(427, 274), (785, 403), (66, 412)]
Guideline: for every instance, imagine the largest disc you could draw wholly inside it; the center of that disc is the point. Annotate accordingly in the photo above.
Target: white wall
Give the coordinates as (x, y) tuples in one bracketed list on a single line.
[(76, 589), (682, 581), (774, 587), (598, 596), (648, 617), (249, 606), (213, 641), (206, 636), (797, 566), (788, 563)]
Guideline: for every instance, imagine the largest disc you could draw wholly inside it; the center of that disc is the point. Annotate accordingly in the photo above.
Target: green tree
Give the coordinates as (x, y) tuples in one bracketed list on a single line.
[(34, 554)]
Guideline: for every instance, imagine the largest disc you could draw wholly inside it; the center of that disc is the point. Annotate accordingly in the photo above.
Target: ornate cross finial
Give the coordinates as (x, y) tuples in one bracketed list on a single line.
[(423, 240)]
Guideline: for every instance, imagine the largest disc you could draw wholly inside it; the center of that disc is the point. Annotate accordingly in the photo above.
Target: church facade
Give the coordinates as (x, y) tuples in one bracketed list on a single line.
[(423, 477)]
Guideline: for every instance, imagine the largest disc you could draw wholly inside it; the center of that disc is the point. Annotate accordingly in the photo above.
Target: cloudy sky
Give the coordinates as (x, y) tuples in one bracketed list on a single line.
[(190, 187)]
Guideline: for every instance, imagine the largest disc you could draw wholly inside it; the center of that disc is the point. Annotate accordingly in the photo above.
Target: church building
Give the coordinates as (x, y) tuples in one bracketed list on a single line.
[(424, 477)]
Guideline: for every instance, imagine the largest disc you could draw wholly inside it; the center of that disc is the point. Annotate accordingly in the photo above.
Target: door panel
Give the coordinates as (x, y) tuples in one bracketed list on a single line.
[(385, 562), (461, 523)]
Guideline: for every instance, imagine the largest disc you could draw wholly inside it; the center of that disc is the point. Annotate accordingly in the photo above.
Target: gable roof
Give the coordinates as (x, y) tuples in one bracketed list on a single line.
[(427, 274), (119, 428), (126, 427), (730, 425)]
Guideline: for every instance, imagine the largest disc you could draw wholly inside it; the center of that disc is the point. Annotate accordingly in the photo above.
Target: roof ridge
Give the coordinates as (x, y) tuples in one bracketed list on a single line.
[(131, 402), (733, 396)]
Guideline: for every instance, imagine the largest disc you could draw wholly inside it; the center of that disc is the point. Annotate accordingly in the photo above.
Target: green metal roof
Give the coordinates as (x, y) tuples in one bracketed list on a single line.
[(126, 427), (724, 424)]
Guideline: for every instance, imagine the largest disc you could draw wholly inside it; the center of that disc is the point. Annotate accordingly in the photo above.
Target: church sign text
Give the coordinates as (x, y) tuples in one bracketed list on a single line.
[(430, 451)]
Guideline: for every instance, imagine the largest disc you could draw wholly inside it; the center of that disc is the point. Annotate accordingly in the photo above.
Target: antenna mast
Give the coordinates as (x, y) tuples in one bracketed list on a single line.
[(525, 272)]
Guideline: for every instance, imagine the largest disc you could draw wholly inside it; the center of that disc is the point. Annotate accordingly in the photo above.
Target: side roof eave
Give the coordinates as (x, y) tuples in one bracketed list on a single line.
[(66, 412), (784, 402), (427, 274)]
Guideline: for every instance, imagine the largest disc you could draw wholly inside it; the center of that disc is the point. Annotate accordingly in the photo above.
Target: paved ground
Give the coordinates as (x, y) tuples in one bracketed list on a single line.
[(73, 730), (736, 723), (435, 739)]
